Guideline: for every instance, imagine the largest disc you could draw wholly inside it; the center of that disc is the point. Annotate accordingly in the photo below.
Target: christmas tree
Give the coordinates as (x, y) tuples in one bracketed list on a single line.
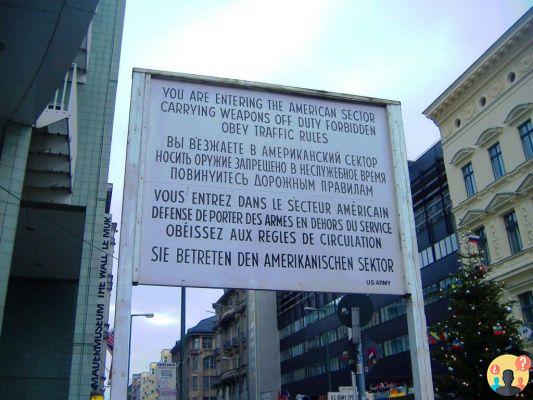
[(479, 328)]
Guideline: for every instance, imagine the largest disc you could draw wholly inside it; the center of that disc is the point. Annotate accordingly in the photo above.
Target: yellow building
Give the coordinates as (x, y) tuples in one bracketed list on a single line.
[(166, 356), (145, 386), (484, 119)]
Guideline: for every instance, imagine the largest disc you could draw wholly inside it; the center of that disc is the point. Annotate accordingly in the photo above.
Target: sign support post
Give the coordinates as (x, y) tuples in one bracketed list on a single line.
[(182, 344), (416, 317), (121, 350), (359, 370)]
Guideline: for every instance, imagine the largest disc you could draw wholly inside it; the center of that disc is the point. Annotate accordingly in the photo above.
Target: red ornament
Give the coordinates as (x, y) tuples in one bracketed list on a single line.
[(498, 330)]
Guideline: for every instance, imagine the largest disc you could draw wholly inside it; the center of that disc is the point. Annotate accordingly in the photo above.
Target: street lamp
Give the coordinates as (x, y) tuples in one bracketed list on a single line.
[(147, 315), (323, 310)]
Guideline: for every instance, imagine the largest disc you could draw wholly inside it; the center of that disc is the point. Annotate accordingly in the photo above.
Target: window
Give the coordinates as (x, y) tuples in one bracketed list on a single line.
[(207, 343), (525, 135), (446, 246), (447, 200), (392, 310), (526, 303), (470, 183), (420, 219), (196, 344), (194, 383), (373, 321), (496, 160), (313, 343), (395, 346), (431, 294), (483, 246), (195, 363), (334, 364), (426, 257), (513, 233), (434, 210), (209, 362), (298, 350), (206, 384)]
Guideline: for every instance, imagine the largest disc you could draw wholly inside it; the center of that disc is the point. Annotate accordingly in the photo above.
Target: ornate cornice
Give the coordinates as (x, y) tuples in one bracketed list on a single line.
[(461, 156), (517, 112), (519, 34), (488, 135)]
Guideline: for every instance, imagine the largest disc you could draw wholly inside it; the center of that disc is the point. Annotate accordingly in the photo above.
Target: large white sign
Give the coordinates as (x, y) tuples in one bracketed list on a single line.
[(259, 189)]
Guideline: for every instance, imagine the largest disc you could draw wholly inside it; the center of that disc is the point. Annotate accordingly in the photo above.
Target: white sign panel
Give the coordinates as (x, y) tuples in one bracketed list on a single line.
[(340, 396), (248, 188)]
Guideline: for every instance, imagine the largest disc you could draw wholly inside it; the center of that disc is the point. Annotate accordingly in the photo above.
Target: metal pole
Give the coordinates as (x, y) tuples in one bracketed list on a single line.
[(183, 394), (129, 354), (359, 370), (354, 385)]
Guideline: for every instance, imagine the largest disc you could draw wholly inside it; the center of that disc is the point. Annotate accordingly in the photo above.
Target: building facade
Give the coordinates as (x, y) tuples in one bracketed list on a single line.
[(485, 121), (148, 384), (134, 389), (55, 237), (159, 383), (200, 375), (231, 345), (246, 345), (311, 333)]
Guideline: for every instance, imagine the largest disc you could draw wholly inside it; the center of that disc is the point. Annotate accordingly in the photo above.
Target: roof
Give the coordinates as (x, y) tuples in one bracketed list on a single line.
[(425, 161), (488, 58), (175, 348), (204, 326), (224, 296)]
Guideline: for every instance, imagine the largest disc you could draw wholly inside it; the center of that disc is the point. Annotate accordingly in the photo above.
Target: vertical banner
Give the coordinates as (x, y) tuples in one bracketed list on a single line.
[(102, 305)]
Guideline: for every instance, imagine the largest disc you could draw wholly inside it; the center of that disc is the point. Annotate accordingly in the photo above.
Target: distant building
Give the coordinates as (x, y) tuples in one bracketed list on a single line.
[(231, 346), (305, 333), (485, 121), (246, 345), (147, 390), (58, 80), (200, 375), (176, 358), (165, 377), (134, 389), (159, 383), (166, 356)]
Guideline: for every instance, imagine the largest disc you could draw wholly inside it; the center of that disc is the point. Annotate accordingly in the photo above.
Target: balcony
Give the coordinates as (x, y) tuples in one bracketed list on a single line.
[(226, 345), (232, 374)]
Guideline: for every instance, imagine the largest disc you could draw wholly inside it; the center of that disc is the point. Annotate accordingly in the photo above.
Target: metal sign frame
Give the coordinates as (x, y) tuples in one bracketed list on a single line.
[(129, 237)]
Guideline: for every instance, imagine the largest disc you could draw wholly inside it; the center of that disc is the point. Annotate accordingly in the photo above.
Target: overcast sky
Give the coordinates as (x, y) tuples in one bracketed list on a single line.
[(402, 50)]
